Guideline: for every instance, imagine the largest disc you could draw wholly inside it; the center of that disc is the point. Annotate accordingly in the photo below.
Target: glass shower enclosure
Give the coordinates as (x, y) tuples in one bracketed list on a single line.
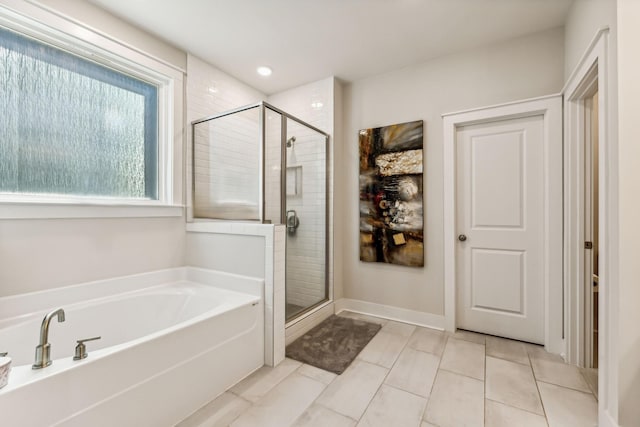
[(259, 163)]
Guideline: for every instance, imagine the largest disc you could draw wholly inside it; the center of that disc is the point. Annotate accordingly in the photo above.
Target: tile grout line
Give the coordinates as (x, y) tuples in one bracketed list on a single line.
[(535, 380), (378, 364), (328, 409), (406, 391), (484, 397), (253, 404), (568, 388), (309, 376), (241, 413), (462, 375), (564, 386), (424, 413), (387, 374), (272, 368), (584, 376), (508, 360), (314, 400), (518, 408)]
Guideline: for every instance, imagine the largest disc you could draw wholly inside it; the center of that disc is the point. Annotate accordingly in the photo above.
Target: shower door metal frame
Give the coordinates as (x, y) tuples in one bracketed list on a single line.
[(283, 178), (261, 156), (283, 197)]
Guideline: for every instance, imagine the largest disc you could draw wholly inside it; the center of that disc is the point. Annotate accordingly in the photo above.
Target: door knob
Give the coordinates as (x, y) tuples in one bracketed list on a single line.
[(462, 237)]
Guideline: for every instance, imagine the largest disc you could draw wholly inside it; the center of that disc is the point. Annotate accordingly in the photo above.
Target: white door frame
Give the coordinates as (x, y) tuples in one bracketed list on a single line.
[(550, 107), (588, 192), (593, 67)]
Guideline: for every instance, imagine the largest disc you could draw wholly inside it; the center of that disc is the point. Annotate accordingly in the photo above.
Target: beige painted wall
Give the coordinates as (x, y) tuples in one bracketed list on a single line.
[(584, 20), (42, 254), (521, 68), (102, 21), (338, 173), (628, 27)]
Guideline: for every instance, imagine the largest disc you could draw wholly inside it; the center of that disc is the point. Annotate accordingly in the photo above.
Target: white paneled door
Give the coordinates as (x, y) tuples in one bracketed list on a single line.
[(500, 226)]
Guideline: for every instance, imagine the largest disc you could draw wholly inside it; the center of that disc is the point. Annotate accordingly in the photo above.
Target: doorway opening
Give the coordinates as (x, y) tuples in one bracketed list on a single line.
[(592, 317), (591, 229)]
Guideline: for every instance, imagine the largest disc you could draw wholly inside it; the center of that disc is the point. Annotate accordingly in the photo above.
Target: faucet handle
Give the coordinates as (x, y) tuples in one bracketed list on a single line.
[(81, 349), (87, 339), (4, 354)]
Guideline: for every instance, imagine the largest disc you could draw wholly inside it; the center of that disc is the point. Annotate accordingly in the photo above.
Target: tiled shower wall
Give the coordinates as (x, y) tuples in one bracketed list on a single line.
[(210, 92), (227, 173), (306, 184), (305, 254), (306, 246)]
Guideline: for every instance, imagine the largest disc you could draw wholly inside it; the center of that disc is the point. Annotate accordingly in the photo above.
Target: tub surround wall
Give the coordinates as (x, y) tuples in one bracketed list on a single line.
[(518, 69), (203, 239), (241, 247), (233, 253), (17, 305), (41, 254)]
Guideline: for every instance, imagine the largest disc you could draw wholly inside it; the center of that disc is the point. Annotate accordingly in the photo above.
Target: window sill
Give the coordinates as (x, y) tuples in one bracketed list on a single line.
[(43, 210)]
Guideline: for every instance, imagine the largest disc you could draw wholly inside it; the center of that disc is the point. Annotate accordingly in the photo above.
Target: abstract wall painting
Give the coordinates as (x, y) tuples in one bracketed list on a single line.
[(391, 207)]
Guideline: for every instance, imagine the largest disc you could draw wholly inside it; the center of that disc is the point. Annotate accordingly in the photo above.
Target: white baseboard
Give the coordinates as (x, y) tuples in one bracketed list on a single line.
[(419, 318), (300, 327), (606, 420)]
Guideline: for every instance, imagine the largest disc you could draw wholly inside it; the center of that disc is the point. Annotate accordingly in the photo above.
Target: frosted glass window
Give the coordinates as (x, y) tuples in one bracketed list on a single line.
[(70, 126)]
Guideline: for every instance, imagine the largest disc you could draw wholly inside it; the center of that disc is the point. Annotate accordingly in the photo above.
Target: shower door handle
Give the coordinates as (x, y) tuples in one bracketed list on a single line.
[(292, 221)]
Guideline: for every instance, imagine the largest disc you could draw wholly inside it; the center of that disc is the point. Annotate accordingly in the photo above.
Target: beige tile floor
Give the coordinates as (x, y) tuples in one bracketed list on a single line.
[(409, 376)]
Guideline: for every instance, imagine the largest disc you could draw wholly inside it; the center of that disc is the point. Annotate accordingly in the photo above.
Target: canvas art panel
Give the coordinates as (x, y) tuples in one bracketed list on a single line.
[(391, 205)]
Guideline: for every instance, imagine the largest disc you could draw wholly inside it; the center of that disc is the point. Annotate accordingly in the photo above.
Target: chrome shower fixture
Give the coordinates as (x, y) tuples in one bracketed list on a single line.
[(290, 141)]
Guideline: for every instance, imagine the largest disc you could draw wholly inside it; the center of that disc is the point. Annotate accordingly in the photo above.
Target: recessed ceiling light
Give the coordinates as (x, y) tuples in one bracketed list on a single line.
[(264, 71)]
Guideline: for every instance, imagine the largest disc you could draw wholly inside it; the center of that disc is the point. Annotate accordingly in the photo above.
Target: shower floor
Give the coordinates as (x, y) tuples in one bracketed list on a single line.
[(292, 309)]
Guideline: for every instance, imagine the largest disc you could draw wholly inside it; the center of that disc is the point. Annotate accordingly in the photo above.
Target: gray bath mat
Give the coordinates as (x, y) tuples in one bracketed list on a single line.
[(333, 344)]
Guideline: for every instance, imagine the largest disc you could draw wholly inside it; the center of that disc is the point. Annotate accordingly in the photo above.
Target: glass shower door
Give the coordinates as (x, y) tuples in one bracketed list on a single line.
[(305, 208)]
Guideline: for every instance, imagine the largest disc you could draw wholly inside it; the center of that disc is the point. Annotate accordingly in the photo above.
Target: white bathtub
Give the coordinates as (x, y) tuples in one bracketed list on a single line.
[(171, 341)]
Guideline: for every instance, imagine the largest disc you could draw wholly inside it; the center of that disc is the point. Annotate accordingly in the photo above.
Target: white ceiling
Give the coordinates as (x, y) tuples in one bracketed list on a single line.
[(306, 40)]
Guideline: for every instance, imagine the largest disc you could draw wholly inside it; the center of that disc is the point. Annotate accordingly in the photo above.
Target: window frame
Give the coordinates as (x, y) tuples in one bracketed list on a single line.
[(77, 39)]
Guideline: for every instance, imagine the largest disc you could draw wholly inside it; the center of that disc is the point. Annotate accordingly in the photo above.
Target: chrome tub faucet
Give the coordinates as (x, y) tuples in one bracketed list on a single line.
[(44, 348)]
